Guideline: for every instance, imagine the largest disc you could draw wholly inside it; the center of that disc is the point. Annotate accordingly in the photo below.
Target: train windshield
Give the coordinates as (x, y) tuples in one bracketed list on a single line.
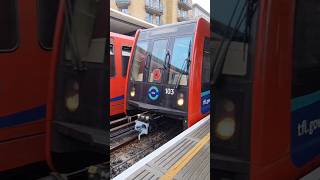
[(180, 62), (83, 44), (231, 33), (162, 59)]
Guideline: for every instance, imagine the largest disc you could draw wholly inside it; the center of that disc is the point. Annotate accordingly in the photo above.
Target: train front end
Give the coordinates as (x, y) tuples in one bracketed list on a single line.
[(78, 93), (162, 72)]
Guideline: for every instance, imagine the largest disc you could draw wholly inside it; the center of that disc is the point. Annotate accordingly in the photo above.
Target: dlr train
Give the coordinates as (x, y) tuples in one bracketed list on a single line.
[(265, 78), (26, 36), (168, 72), (120, 49), (78, 88)]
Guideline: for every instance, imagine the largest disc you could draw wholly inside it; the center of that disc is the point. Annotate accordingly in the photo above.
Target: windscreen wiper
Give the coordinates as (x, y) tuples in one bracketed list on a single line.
[(147, 63), (166, 60), (76, 62)]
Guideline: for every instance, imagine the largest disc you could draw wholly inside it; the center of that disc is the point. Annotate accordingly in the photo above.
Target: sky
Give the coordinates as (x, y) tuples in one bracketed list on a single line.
[(205, 4)]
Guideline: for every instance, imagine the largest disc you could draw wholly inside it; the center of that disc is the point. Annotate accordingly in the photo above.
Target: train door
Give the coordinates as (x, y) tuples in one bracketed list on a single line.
[(125, 56), (156, 73), (177, 73)]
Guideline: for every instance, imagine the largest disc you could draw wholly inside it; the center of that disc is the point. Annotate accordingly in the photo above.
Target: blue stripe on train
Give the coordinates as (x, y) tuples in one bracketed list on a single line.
[(118, 98), (22, 117)]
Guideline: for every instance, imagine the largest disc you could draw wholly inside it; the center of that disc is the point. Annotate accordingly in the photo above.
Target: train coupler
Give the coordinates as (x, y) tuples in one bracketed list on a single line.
[(142, 128), (142, 124), (145, 123)]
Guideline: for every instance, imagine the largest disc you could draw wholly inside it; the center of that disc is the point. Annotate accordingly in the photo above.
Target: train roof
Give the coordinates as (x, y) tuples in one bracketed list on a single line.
[(112, 34), (194, 21)]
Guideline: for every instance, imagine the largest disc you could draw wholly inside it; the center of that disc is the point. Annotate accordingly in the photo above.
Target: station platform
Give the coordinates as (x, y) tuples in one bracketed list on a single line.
[(187, 156), (313, 175)]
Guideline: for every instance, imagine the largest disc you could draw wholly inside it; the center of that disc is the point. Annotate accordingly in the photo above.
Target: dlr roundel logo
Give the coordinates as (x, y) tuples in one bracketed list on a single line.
[(153, 93)]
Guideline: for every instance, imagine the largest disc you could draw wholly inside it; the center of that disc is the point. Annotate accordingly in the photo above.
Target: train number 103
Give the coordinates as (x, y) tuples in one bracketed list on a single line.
[(169, 91)]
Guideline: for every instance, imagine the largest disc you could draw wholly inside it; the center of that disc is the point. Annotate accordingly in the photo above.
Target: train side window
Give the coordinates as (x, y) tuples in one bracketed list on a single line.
[(125, 59), (206, 66), (306, 63), (8, 24), (47, 14), (112, 63)]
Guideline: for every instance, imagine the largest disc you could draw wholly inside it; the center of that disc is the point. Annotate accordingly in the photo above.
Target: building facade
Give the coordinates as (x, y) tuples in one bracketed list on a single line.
[(198, 11), (155, 11)]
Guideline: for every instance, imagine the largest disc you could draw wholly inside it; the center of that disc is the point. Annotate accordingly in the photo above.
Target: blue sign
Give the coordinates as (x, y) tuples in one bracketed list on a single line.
[(205, 102), (305, 128), (153, 93)]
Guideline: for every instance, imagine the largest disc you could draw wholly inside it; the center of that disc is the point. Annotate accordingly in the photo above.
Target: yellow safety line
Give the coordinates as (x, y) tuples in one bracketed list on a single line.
[(186, 158)]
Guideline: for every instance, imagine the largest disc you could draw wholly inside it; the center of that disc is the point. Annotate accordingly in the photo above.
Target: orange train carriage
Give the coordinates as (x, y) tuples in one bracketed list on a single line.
[(120, 49), (25, 54), (77, 96), (266, 89), (168, 72)]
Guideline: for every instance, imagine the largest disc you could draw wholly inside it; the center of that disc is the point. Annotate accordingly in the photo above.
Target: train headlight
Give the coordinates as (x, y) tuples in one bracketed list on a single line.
[(180, 100), (72, 96), (133, 92), (225, 128)]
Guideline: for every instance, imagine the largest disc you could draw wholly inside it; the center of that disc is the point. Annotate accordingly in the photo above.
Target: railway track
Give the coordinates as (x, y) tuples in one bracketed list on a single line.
[(125, 154), (122, 131), (122, 136)]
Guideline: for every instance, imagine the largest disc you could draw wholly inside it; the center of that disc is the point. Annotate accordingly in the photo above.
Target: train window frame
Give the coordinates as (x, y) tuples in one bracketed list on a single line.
[(134, 60), (41, 26), (150, 72), (125, 67), (112, 71), (305, 60), (192, 36), (15, 45)]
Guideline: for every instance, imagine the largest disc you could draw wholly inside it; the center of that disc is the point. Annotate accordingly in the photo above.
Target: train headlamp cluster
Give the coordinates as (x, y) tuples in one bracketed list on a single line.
[(133, 92), (180, 100), (225, 127), (72, 96)]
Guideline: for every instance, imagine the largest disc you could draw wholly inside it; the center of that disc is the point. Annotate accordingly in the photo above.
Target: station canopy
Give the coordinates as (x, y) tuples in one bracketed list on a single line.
[(125, 24)]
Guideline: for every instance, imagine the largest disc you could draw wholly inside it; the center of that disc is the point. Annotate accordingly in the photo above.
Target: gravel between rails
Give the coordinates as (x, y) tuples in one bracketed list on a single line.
[(126, 156)]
